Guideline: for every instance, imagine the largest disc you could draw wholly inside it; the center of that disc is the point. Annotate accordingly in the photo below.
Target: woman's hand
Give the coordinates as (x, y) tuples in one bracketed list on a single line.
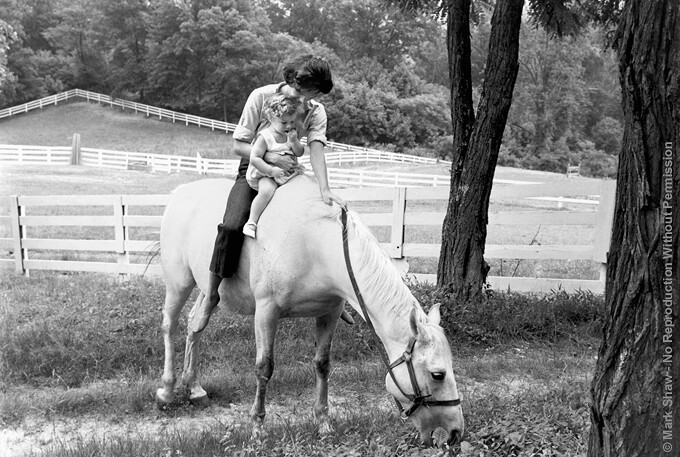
[(284, 162), (329, 197)]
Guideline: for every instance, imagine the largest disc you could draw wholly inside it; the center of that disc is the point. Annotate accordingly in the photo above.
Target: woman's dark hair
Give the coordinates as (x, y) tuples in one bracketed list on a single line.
[(309, 72)]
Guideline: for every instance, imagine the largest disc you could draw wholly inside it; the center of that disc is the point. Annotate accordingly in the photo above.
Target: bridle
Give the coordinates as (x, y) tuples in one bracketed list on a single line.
[(417, 399)]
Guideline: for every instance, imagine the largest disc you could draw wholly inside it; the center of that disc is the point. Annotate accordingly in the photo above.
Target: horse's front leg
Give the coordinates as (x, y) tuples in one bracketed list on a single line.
[(325, 328), (266, 319), (174, 301)]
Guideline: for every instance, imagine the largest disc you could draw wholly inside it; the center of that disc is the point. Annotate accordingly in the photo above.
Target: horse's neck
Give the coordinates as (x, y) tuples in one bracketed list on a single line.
[(393, 330), (387, 299)]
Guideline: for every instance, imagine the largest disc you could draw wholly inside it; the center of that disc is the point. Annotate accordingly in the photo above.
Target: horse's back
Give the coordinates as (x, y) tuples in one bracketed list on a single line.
[(189, 227), (296, 235)]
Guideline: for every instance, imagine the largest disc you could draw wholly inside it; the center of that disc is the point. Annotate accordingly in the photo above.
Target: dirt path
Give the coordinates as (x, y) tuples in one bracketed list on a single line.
[(39, 434)]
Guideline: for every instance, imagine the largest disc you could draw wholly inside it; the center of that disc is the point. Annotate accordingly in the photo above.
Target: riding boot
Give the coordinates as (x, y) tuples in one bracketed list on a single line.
[(205, 308)]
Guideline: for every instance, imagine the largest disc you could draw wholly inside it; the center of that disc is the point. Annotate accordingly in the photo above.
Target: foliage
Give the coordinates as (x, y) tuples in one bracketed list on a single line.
[(7, 35), (508, 316), (522, 431), (557, 115), (390, 67)]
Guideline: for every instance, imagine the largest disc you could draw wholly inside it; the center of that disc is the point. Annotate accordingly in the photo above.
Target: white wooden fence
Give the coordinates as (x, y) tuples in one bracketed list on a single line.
[(133, 231), (360, 153), (159, 163)]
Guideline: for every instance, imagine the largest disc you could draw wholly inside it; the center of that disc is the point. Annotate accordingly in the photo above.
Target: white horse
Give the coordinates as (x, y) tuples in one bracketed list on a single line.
[(296, 268)]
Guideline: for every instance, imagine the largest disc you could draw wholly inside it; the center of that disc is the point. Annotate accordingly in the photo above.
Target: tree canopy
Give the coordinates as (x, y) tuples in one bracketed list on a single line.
[(390, 67)]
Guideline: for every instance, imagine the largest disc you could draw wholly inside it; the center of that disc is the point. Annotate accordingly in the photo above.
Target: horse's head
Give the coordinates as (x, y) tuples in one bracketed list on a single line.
[(425, 385)]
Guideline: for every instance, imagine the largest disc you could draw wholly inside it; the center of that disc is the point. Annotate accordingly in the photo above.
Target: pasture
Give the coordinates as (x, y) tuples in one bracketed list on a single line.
[(111, 128), (82, 357), (81, 354)]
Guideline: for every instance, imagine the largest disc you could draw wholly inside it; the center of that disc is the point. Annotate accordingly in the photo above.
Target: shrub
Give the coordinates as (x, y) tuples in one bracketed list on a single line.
[(500, 316)]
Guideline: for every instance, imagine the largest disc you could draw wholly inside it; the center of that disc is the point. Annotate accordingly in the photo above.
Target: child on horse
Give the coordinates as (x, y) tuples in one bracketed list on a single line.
[(280, 137)]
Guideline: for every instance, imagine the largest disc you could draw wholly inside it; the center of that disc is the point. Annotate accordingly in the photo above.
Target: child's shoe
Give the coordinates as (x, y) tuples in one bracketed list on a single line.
[(250, 229)]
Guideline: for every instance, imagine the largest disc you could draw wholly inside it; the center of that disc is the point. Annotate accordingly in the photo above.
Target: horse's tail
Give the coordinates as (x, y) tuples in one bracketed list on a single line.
[(153, 252)]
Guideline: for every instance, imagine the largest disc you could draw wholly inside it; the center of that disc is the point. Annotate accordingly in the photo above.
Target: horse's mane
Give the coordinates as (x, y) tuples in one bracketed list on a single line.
[(379, 279)]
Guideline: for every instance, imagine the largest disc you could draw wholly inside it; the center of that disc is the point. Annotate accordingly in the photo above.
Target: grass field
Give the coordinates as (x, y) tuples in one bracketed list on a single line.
[(81, 354), (103, 127)]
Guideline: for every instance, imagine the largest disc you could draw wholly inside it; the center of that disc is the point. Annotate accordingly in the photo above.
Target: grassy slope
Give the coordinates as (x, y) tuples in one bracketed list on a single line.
[(110, 128)]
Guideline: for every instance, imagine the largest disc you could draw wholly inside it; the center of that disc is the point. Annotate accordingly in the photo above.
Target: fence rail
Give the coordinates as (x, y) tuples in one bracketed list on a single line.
[(133, 232), (160, 163), (359, 153)]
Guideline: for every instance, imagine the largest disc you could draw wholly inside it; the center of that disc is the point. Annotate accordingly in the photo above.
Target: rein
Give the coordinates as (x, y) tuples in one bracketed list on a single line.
[(417, 399)]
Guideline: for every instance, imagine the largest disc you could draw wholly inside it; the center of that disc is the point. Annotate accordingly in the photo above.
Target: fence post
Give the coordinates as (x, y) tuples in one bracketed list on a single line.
[(398, 214), (75, 149), (121, 234), (198, 164), (17, 235), (603, 229)]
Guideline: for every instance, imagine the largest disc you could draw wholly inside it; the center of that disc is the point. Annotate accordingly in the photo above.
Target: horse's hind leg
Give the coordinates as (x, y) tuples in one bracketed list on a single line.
[(325, 328), (265, 331), (175, 297), (190, 376)]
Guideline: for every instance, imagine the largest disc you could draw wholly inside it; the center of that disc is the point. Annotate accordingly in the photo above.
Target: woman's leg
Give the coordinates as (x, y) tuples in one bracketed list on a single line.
[(227, 250), (229, 241)]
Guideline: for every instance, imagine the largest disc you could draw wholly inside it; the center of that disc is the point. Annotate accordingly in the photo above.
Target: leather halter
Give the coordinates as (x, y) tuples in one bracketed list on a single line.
[(417, 399)]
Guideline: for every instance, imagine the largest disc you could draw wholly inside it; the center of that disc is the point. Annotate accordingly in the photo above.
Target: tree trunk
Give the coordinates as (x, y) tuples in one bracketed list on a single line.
[(635, 386), (476, 142)]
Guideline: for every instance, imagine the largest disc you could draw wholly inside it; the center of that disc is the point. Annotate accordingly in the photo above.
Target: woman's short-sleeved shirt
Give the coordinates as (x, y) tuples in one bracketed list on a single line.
[(312, 121)]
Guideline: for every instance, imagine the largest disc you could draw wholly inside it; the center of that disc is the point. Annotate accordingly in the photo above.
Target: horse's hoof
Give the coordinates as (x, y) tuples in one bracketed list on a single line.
[(163, 399), (200, 401)]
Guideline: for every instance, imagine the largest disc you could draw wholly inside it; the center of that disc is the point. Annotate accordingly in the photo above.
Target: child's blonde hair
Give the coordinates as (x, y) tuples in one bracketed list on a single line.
[(281, 105)]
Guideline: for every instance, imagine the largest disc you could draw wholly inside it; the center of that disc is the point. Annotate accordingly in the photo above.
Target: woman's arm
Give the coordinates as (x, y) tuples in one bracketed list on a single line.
[(242, 149), (318, 160)]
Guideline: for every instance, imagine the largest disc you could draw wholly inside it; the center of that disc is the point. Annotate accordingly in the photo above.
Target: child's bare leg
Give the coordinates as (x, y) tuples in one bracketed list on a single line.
[(265, 192)]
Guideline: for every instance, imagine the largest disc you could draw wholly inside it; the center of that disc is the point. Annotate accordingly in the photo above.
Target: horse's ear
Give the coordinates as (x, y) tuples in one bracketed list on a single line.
[(435, 315), (417, 321)]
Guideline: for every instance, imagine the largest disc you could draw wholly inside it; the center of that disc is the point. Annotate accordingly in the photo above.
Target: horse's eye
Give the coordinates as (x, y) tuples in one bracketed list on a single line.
[(438, 375)]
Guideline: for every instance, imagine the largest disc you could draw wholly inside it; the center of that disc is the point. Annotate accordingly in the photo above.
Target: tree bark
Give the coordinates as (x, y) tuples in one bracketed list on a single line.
[(477, 142), (631, 413)]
